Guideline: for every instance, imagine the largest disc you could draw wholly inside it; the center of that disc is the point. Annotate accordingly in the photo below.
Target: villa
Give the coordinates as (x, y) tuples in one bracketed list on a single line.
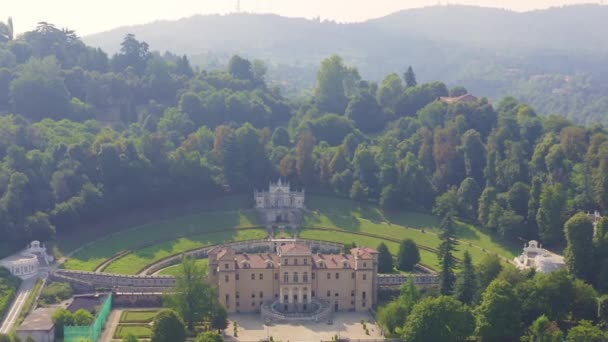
[(538, 258)]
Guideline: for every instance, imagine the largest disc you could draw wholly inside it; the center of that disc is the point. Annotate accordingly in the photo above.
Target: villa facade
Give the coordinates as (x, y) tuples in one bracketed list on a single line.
[(280, 205), (538, 258), (294, 280)]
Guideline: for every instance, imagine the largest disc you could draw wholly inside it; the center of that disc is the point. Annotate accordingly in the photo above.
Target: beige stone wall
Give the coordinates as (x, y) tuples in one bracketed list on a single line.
[(346, 289)]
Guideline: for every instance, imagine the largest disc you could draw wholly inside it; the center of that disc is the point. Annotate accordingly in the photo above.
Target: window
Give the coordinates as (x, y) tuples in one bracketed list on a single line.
[(305, 261), (238, 304), (226, 266), (227, 299), (328, 293), (305, 277), (328, 275), (238, 295), (286, 277), (363, 295), (252, 303), (295, 262), (236, 276), (295, 277), (285, 298), (276, 276), (261, 294), (226, 278), (365, 277), (261, 276), (337, 275), (252, 295), (312, 294), (285, 261), (313, 275), (352, 293), (252, 276), (363, 304), (352, 275), (305, 297), (336, 294), (364, 264)]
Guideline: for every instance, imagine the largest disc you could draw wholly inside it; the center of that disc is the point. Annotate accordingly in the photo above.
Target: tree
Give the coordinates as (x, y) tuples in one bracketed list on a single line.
[(304, 158), (446, 259), (390, 91), (40, 79), (466, 281), (168, 327), (586, 332), (438, 319), (544, 330), (219, 318), (474, 155), (549, 215), (133, 53), (487, 270), (410, 78), (366, 113), (82, 317), (408, 256), (193, 298), (447, 204), (487, 198), (280, 137), (579, 254), (62, 318), (209, 336), (330, 94), (385, 259), (498, 314), (468, 197), (130, 338), (240, 68)]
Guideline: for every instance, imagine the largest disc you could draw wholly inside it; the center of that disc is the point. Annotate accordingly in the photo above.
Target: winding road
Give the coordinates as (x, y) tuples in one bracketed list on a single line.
[(20, 298)]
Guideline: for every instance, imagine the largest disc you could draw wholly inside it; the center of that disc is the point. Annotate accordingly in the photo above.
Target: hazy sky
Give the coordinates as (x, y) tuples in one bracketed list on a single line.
[(90, 16)]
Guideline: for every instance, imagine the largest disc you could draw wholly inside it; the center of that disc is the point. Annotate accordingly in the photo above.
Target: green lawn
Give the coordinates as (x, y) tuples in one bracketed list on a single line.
[(152, 233), (427, 258), (135, 316), (70, 240), (154, 236), (174, 270), (138, 330), (135, 261), (366, 218)]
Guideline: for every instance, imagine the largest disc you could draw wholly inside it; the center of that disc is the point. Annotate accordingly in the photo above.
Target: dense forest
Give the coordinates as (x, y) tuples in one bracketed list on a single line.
[(553, 59), (85, 134)]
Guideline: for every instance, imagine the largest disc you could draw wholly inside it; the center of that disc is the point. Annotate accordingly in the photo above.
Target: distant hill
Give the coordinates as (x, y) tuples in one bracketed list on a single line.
[(492, 52)]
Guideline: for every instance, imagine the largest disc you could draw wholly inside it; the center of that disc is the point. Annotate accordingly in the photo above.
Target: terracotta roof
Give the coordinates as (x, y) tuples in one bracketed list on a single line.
[(294, 249), (222, 253), (334, 261), (363, 252), (256, 260)]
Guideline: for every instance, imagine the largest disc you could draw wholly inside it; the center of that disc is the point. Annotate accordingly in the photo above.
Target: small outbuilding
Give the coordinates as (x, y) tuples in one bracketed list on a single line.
[(38, 325)]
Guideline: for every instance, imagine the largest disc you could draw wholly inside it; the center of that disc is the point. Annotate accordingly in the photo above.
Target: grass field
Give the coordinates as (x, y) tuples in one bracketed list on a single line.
[(136, 316), (358, 217), (138, 259), (427, 258), (153, 237), (151, 233), (174, 270), (138, 330)]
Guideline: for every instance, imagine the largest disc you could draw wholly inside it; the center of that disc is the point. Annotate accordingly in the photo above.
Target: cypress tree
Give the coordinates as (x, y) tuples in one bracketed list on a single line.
[(466, 282), (446, 258), (385, 259), (409, 255)]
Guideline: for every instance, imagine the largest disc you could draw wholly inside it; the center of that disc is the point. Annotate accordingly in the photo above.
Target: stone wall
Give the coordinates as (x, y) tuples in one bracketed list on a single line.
[(140, 300)]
